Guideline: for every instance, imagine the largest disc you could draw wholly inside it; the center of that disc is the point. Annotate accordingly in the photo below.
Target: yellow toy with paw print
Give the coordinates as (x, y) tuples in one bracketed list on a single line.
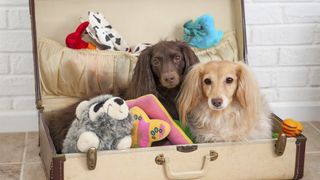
[(146, 131)]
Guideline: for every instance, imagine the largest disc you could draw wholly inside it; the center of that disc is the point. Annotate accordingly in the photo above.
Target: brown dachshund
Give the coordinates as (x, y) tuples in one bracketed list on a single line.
[(160, 70)]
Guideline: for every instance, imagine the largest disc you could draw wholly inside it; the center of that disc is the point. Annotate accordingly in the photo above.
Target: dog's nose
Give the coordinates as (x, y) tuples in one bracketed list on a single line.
[(217, 102), (119, 101), (169, 78)]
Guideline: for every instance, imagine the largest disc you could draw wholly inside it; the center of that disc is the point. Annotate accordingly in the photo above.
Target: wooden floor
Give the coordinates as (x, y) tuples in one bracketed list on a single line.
[(19, 155)]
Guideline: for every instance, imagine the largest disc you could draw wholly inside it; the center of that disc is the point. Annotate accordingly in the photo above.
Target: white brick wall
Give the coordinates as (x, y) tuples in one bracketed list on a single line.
[(17, 107), (317, 35), (284, 51), (18, 18), (315, 77), (281, 34), (302, 13), (300, 55)]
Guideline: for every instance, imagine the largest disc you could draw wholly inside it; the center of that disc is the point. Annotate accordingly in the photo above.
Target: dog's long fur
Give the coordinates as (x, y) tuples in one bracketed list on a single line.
[(243, 114), (147, 79)]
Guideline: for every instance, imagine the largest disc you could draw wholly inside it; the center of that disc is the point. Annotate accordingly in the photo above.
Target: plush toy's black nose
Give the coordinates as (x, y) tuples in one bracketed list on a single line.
[(119, 101)]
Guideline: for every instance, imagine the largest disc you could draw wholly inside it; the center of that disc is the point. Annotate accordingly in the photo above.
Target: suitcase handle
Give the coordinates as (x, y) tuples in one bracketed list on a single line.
[(161, 160)]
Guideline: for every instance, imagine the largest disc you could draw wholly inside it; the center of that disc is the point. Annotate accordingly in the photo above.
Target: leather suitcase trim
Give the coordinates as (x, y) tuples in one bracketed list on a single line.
[(245, 49), (47, 131), (35, 52), (56, 172), (300, 156), (300, 153)]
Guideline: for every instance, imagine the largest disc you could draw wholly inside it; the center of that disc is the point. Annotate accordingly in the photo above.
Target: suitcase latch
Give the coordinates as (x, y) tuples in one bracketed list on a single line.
[(92, 158), (187, 148), (280, 145)]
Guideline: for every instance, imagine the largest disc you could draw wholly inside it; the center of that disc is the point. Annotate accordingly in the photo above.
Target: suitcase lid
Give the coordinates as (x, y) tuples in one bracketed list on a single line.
[(139, 21)]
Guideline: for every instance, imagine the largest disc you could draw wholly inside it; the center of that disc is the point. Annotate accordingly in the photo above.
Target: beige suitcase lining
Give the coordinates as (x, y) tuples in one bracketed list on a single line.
[(67, 74)]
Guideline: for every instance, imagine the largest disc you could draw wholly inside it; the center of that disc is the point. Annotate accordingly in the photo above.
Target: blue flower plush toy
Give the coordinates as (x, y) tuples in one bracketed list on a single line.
[(202, 33)]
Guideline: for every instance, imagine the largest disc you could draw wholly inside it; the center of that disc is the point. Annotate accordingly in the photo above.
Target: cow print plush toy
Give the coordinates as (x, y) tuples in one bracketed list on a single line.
[(139, 48), (102, 32), (103, 122)]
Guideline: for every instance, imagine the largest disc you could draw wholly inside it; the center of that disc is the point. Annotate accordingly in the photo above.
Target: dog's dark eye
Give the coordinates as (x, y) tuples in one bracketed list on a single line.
[(229, 80), (207, 81), (155, 62), (177, 58)]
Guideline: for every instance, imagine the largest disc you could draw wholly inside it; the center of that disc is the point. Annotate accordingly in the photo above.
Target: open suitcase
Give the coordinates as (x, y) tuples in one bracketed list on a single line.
[(58, 84)]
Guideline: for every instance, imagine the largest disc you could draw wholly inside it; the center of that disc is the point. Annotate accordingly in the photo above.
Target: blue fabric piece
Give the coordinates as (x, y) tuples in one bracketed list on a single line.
[(202, 33)]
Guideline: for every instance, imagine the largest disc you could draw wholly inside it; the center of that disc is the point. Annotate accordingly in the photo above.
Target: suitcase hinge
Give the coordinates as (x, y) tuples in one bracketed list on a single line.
[(39, 105), (92, 158), (213, 155), (280, 145)]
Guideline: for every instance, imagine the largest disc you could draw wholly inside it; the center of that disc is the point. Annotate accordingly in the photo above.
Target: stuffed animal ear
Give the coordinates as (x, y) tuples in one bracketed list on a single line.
[(81, 107)]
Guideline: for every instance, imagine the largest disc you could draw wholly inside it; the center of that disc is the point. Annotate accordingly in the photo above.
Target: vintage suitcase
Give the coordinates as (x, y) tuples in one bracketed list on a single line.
[(58, 85)]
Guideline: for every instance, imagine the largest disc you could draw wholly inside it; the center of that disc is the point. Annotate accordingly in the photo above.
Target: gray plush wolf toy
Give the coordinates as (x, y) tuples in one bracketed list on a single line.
[(103, 122)]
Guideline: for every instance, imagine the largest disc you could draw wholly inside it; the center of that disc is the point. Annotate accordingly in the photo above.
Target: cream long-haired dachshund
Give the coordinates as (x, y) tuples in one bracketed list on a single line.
[(221, 101)]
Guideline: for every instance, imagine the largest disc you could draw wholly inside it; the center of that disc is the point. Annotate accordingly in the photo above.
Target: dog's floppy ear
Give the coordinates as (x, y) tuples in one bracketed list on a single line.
[(190, 93), (142, 82), (189, 56), (248, 93)]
